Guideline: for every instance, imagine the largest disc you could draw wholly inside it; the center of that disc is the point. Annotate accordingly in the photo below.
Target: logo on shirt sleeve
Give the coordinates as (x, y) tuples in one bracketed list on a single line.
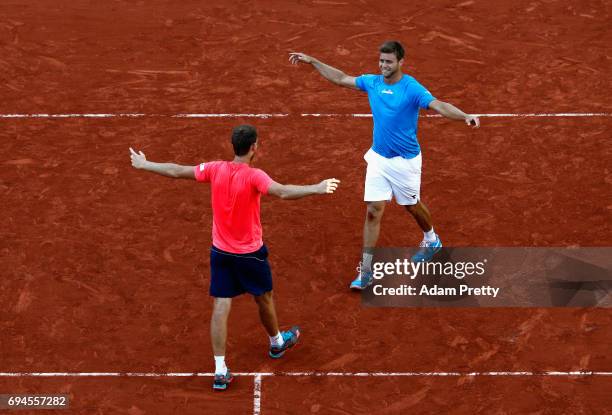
[(202, 166)]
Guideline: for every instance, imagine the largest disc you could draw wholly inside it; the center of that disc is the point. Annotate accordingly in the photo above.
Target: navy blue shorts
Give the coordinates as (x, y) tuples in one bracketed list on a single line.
[(235, 274)]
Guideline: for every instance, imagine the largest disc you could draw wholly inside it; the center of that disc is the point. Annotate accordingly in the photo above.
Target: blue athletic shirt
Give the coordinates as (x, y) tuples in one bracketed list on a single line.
[(395, 110)]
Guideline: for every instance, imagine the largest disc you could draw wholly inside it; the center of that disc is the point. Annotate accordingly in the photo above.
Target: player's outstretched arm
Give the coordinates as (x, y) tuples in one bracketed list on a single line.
[(290, 191), (176, 171), (450, 111), (330, 73)]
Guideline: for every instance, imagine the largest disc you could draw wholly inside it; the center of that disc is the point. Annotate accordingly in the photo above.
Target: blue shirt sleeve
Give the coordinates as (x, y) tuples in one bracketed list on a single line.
[(424, 97), (364, 82)]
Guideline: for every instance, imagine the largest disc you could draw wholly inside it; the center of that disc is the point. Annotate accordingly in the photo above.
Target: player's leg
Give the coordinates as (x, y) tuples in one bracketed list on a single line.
[(267, 313), (377, 192), (218, 335), (431, 242), (223, 287), (421, 215), (279, 341), (405, 178), (256, 279), (371, 227), (371, 231), (218, 325)]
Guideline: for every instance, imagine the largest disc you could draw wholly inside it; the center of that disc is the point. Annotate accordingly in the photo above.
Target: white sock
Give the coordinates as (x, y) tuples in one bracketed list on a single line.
[(366, 262), (277, 340), (220, 368), (429, 236)]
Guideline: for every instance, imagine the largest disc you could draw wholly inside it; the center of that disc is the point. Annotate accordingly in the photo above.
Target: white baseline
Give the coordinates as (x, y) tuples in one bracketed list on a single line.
[(303, 115), (306, 374), (258, 376)]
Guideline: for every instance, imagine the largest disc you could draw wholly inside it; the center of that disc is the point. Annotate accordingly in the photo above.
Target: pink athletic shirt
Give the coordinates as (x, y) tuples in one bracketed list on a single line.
[(236, 191)]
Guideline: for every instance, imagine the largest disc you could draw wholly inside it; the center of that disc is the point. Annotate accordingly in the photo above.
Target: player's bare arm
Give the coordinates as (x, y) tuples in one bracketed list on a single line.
[(175, 171), (451, 112), (290, 191), (328, 72)]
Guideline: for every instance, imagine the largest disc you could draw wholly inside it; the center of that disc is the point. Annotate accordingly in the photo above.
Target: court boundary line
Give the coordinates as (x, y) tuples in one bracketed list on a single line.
[(285, 115), (311, 374), (259, 376), (257, 394)]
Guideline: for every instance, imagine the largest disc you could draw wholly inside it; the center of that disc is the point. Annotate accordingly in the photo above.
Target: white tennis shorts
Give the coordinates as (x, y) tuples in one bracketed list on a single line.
[(395, 177)]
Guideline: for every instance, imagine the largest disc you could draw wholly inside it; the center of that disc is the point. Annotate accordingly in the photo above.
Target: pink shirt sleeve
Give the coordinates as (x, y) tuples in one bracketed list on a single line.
[(203, 171), (261, 181)]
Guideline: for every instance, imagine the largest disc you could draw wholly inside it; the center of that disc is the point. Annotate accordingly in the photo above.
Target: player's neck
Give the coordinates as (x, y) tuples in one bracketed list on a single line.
[(395, 78), (242, 159)]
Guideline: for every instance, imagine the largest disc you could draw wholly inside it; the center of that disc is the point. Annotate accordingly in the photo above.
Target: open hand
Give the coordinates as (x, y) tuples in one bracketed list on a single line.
[(328, 186), (138, 159), (297, 57)]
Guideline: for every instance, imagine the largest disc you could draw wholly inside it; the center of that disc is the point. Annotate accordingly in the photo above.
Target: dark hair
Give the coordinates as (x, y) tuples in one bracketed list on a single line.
[(243, 137), (392, 46)]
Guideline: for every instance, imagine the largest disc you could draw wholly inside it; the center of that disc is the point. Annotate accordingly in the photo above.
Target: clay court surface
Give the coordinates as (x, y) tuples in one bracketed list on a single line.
[(105, 269)]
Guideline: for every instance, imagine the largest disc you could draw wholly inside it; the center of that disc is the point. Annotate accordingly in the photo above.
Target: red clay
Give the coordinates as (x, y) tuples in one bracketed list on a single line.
[(105, 269)]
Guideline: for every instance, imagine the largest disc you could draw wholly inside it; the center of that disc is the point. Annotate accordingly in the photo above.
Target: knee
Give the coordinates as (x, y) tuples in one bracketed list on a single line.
[(221, 307), (374, 213), (411, 208), (264, 300)]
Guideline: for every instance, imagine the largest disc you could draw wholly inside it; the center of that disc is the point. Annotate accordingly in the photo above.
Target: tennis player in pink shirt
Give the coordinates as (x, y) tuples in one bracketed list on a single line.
[(238, 256)]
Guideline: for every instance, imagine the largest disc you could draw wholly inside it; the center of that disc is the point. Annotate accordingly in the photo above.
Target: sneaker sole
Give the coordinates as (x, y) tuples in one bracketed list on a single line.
[(223, 387), (436, 250), (277, 356), (281, 354), (360, 287)]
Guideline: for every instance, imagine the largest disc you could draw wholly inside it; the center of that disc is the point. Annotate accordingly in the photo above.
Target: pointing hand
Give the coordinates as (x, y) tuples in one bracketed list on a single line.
[(138, 159), (328, 186), (297, 57)]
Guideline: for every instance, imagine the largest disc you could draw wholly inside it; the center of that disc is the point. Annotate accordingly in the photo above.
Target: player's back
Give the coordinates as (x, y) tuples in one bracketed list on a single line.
[(236, 193)]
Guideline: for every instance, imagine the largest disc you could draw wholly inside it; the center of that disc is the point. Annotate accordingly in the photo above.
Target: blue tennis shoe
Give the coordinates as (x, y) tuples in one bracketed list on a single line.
[(427, 250), (222, 382), (290, 339), (363, 280)]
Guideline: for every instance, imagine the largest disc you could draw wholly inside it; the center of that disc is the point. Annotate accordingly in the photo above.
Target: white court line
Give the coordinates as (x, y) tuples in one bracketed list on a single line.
[(257, 395), (258, 376), (443, 374), (500, 115), (278, 115), (229, 115), (305, 374), (72, 115), (122, 115)]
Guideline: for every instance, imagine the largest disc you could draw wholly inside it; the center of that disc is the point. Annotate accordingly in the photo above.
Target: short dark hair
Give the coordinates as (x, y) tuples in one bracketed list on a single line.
[(243, 137), (392, 46)]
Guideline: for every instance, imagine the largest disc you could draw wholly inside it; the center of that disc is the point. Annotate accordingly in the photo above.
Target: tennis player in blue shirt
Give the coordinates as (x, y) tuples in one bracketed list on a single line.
[(394, 161)]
